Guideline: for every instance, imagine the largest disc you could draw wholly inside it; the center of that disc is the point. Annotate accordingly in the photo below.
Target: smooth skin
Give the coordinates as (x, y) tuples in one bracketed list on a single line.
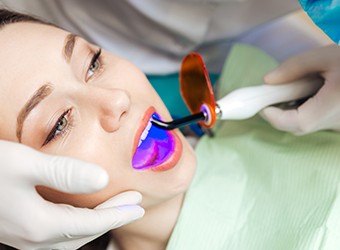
[(99, 107)]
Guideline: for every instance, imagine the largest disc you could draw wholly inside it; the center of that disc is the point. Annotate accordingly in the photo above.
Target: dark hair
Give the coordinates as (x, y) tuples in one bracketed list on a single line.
[(10, 17)]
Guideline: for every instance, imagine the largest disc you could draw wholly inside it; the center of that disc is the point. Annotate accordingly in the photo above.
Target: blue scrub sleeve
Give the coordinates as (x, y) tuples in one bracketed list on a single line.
[(326, 15)]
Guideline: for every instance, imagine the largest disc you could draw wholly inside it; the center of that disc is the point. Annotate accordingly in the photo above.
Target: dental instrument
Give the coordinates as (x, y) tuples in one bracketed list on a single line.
[(197, 92)]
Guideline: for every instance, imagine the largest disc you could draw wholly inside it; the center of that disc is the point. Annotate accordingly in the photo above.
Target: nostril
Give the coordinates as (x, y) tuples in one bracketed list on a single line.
[(123, 115), (109, 123)]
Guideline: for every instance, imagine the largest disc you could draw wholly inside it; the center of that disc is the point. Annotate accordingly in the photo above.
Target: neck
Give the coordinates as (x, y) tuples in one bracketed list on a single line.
[(153, 230)]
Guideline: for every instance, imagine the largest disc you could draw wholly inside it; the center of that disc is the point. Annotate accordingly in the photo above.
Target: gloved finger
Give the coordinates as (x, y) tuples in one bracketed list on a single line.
[(80, 222), (311, 62), (297, 121), (69, 175), (126, 198), (307, 118), (74, 243), (129, 197), (281, 120)]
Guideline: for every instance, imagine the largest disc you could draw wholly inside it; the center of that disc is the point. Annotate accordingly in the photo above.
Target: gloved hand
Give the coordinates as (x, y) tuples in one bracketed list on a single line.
[(319, 112), (27, 221)]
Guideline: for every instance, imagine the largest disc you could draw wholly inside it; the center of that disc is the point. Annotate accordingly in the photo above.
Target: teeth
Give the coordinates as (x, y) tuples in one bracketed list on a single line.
[(148, 126), (145, 133)]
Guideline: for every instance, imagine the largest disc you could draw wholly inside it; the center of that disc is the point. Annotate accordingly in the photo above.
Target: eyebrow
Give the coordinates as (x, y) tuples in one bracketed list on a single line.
[(37, 97), (69, 43)]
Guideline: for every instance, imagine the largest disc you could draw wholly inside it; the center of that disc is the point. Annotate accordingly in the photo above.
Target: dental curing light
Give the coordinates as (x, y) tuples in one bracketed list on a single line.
[(243, 103)]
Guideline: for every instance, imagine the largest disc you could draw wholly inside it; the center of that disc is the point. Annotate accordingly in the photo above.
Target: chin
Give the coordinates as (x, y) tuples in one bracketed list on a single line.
[(176, 181), (185, 170)]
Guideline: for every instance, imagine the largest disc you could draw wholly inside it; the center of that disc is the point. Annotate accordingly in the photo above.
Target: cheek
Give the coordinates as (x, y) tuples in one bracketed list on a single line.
[(104, 154), (123, 74), (115, 186)]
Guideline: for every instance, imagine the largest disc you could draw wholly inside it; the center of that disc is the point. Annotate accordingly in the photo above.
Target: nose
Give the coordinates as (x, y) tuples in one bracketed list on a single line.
[(112, 105)]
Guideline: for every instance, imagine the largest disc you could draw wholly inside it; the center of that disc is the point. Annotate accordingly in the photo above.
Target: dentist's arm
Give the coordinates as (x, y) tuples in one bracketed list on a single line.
[(27, 221), (319, 112)]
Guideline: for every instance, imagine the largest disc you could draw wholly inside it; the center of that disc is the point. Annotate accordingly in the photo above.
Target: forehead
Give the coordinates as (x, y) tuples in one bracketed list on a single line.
[(30, 52), (28, 44)]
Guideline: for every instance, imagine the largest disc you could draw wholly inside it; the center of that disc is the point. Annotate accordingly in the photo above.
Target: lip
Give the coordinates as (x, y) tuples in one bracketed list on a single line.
[(173, 158), (143, 123)]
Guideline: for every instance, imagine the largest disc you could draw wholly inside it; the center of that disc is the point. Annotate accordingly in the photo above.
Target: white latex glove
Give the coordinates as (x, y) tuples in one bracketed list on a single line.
[(27, 221), (319, 112)]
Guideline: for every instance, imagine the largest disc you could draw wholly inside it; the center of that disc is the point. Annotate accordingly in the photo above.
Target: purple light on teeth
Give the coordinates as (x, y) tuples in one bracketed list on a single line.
[(156, 147)]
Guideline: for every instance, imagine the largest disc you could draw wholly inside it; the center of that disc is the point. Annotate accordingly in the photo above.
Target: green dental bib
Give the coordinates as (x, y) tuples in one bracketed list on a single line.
[(257, 188)]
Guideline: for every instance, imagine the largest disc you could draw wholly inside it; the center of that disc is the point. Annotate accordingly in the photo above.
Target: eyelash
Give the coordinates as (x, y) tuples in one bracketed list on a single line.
[(95, 59), (54, 134)]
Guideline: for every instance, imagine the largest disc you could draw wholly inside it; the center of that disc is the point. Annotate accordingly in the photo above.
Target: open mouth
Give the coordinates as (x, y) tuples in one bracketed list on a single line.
[(157, 149)]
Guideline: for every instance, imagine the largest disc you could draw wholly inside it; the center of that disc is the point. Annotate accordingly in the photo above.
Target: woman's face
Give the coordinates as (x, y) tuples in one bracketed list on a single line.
[(59, 96)]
